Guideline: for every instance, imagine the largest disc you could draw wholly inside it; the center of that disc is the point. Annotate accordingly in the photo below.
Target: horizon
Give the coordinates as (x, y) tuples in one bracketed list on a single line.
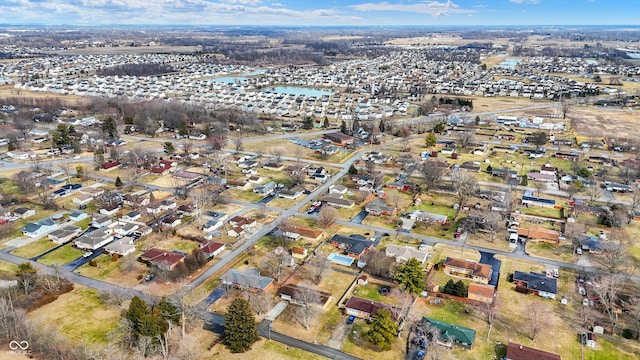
[(352, 13)]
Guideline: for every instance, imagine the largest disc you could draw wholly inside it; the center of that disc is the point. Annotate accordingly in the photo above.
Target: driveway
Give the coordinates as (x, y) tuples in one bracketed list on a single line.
[(359, 217), (340, 333)]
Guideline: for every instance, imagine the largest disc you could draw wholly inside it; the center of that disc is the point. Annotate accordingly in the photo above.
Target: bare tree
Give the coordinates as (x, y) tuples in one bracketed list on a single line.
[(536, 318), (466, 186), (465, 138), (565, 108), (369, 167), (327, 216), (380, 265), (489, 311), (607, 289), (306, 297), (261, 301), (317, 267), (431, 175), (277, 155), (539, 187), (593, 193), (492, 222), (238, 144), (573, 231), (129, 263), (272, 264)]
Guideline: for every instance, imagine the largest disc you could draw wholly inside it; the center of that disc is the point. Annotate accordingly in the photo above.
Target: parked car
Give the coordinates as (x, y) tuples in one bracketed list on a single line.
[(87, 254), (585, 302), (149, 277), (350, 319), (420, 355)]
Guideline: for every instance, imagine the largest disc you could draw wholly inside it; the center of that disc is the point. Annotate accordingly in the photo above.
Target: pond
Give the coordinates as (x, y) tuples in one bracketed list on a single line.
[(299, 90), (510, 63)]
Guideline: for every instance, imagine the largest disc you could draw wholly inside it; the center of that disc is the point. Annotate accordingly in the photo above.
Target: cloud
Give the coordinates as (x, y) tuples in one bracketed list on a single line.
[(533, 2), (433, 8)]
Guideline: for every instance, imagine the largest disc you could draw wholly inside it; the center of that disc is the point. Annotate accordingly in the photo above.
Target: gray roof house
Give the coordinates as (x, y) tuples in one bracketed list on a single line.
[(248, 279), (65, 234), (95, 239), (36, 229)]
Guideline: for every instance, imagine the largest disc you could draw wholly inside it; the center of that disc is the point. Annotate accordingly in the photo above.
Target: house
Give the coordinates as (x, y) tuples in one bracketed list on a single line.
[(110, 165), (212, 249), (450, 334), (83, 199), (312, 234), (379, 207), (401, 183), (126, 228), (354, 245), (567, 156), (24, 213), (418, 215), (171, 221), (367, 309), (164, 167), (595, 245), (404, 253), (338, 202), (95, 239), (143, 231), (545, 178), (481, 292), (467, 269), (339, 189), (528, 199), (66, 190), (339, 138), (77, 216), (241, 221), (162, 259), (274, 166), (362, 280), (301, 295), (136, 200), (39, 228), (266, 189), (538, 233), (64, 235), (255, 179), (521, 352), (187, 209), (291, 193), (536, 283), (110, 210), (249, 279), (132, 216), (122, 247), (239, 184), (298, 252), (100, 221), (618, 187)]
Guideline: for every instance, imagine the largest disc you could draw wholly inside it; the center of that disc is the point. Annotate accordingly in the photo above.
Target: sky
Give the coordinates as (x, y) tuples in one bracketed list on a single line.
[(321, 13)]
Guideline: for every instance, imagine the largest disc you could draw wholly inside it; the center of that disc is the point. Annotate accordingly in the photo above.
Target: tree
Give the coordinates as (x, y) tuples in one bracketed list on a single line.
[(431, 175), (169, 149), (466, 185), (327, 216), (383, 330), (109, 128), (168, 311), (118, 182), (343, 127), (240, 329), (145, 323), (98, 156), (465, 138), (536, 318), (326, 122), (80, 172), (307, 123), (352, 170), (593, 193), (539, 138), (430, 140), (306, 296), (380, 265), (439, 127), (411, 277), (574, 187), (27, 276)]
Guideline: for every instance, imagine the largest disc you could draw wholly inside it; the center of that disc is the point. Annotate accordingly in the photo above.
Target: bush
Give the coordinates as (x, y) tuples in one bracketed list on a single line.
[(627, 334), (93, 263)]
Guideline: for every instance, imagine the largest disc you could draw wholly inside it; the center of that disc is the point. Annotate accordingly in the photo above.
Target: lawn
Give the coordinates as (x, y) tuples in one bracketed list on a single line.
[(7, 267), (108, 270), (370, 291), (35, 248), (540, 211), (434, 208), (562, 252), (282, 203), (348, 214), (441, 252), (356, 345), (241, 195), (61, 256), (80, 315), (483, 239)]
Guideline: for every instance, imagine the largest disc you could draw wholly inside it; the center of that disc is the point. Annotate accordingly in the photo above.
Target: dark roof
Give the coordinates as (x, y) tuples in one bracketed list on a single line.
[(249, 278), (160, 256), (370, 307), (520, 352), (353, 245), (538, 282), (294, 290)]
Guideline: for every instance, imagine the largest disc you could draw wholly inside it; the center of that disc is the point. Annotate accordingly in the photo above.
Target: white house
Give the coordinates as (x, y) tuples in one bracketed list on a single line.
[(37, 229)]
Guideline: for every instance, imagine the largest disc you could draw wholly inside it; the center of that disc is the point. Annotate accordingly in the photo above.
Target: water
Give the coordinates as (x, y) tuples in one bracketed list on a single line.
[(299, 90), (510, 63), (242, 78)]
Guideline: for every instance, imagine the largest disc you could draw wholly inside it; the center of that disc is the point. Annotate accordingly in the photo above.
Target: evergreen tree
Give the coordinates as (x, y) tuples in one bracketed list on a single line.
[(98, 156), (439, 128), (431, 139), (326, 122), (60, 136), (524, 181), (118, 182), (307, 123), (381, 125), (383, 330), (240, 329), (183, 130), (489, 169), (343, 127), (109, 128), (352, 170), (138, 310), (169, 149), (411, 276), (449, 287), (461, 289), (168, 311)]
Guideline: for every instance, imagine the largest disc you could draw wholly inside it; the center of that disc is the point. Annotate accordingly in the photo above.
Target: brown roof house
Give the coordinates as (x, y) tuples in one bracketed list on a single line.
[(301, 295), (468, 270), (538, 233), (366, 309), (521, 352), (313, 234), (212, 249), (481, 292), (162, 259)]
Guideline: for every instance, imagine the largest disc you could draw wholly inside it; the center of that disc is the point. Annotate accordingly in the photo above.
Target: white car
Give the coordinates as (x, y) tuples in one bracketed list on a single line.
[(87, 254)]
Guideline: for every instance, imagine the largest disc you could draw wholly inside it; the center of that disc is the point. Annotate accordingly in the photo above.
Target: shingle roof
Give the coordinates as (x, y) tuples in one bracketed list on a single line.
[(483, 270), (453, 332), (538, 282), (520, 352)]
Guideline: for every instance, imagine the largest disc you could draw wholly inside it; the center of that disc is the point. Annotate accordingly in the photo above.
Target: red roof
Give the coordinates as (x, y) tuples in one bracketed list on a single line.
[(110, 164), (211, 247), (160, 256), (520, 352)]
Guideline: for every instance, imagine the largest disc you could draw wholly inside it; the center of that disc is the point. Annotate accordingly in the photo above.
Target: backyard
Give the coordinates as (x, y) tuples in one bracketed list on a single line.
[(62, 256), (35, 248)]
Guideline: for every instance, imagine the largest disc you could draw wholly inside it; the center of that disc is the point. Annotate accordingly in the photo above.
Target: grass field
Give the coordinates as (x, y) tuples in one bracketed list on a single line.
[(61, 256), (35, 248), (80, 315), (7, 267), (562, 252)]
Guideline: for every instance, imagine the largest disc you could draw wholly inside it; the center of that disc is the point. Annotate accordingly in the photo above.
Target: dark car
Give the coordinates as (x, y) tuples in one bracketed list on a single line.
[(149, 277), (350, 319)]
